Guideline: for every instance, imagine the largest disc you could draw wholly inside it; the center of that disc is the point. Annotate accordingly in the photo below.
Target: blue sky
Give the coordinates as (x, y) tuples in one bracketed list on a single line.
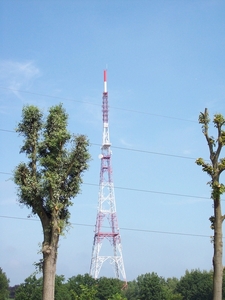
[(165, 62)]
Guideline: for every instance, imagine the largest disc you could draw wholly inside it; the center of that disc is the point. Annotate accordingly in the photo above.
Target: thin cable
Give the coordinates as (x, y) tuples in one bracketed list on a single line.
[(6, 173), (140, 190), (153, 192), (85, 102), (148, 152), (132, 149), (122, 228), (49, 96), (6, 130)]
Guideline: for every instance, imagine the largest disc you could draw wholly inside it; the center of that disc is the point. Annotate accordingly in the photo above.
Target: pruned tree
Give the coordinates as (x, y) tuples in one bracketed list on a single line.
[(50, 178), (214, 168)]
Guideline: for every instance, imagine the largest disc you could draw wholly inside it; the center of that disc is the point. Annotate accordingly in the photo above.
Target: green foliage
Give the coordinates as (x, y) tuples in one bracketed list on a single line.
[(56, 161), (170, 289), (217, 190), (107, 287), (86, 287), (205, 166), (78, 285), (151, 287), (215, 144), (4, 286), (87, 293), (204, 120), (30, 128), (196, 285), (131, 292), (212, 220), (193, 285), (117, 296), (218, 120), (50, 178), (31, 289), (216, 166), (61, 289)]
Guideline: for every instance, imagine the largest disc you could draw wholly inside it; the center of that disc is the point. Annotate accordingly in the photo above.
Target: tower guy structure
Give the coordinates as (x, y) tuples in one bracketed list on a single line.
[(106, 213)]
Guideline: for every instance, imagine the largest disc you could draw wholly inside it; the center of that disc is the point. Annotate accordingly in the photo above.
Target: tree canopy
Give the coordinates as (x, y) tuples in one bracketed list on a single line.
[(194, 284), (50, 178), (150, 286), (4, 285)]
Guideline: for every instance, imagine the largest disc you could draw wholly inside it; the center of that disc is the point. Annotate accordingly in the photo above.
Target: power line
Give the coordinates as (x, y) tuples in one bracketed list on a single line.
[(5, 173), (6, 130), (140, 190), (86, 102), (151, 191), (131, 149), (149, 152), (123, 228)]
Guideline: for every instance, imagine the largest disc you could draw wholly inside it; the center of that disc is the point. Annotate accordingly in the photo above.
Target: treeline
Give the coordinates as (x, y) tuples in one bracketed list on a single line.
[(193, 285)]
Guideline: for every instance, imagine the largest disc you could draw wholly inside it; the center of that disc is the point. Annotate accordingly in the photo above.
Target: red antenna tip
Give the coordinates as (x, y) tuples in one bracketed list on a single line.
[(105, 75)]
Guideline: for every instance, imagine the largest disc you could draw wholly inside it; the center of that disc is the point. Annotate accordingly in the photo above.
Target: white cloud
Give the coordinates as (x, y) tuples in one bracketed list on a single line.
[(16, 76), (124, 143)]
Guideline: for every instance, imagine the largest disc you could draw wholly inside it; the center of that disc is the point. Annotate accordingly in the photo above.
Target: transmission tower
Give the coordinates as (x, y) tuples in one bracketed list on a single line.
[(106, 208)]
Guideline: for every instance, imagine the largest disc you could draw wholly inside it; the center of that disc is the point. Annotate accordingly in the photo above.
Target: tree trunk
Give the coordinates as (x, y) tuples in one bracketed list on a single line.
[(218, 251), (49, 250)]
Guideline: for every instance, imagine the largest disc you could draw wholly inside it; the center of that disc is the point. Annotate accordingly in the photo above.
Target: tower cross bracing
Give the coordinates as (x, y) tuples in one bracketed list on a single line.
[(106, 210)]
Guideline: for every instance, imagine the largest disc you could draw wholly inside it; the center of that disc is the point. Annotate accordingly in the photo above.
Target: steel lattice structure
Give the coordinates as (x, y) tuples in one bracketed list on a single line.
[(106, 207)]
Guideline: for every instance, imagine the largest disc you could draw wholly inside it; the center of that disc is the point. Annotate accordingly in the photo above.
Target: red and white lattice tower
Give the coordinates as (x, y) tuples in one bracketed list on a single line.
[(106, 209)]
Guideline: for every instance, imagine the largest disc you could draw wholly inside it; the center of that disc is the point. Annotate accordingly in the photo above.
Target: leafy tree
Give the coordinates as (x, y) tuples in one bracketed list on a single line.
[(12, 291), (31, 289), (170, 289), (107, 287), (196, 285), (117, 296), (151, 287), (61, 289), (214, 170), (77, 285), (50, 178), (4, 286), (131, 292), (87, 293)]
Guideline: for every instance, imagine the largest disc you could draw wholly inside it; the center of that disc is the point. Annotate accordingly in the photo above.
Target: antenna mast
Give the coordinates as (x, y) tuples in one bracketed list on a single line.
[(106, 207)]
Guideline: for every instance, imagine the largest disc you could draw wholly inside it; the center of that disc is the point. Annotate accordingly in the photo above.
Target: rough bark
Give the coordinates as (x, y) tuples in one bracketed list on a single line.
[(49, 250), (49, 270), (218, 253)]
